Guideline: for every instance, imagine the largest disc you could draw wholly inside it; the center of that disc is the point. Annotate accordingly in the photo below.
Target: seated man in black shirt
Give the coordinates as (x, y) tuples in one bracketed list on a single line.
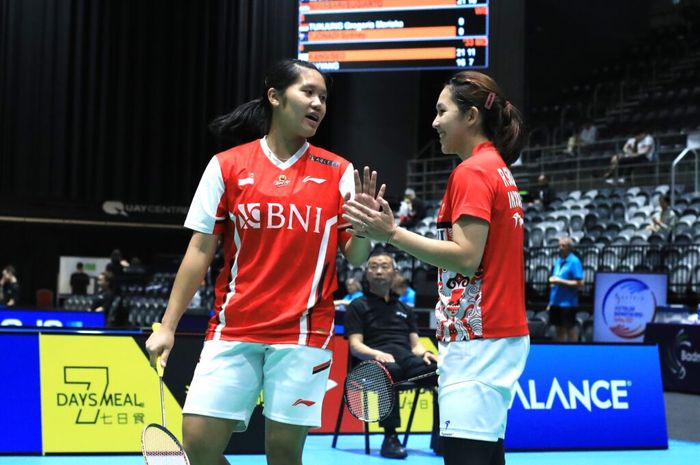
[(380, 327)]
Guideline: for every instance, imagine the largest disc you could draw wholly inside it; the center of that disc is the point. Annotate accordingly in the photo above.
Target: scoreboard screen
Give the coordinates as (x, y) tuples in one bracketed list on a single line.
[(381, 35)]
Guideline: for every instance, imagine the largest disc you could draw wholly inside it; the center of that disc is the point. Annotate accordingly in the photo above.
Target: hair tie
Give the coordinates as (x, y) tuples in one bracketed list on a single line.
[(489, 100)]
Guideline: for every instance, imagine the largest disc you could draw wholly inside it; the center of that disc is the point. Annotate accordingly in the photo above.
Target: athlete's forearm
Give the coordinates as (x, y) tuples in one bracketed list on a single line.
[(357, 250), (192, 270), (444, 254)]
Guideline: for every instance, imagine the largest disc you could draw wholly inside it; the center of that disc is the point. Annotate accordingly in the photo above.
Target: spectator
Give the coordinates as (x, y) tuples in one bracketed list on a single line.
[(637, 149), (566, 279), (79, 280), (354, 289), (104, 293), (665, 219), (380, 327), (135, 267), (543, 193), (116, 264), (401, 288), (588, 134), (412, 209), (9, 285)]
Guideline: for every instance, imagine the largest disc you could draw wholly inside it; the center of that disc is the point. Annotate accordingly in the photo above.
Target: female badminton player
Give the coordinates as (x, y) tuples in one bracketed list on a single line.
[(482, 328), (276, 203)]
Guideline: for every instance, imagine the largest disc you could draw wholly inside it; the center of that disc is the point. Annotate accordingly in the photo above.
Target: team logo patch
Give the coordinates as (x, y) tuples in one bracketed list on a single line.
[(281, 181)]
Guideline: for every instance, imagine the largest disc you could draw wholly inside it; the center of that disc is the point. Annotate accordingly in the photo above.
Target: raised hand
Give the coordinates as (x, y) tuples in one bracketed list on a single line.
[(366, 189), (370, 222)]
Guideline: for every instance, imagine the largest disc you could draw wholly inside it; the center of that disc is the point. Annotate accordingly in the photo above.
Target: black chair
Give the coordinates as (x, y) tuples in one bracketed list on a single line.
[(537, 329), (352, 361), (679, 280)]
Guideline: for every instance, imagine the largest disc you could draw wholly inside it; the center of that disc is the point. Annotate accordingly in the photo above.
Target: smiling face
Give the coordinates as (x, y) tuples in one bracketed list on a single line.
[(299, 110), (451, 125)]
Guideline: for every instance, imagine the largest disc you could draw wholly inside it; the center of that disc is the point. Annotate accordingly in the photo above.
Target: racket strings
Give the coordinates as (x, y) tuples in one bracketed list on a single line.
[(368, 392), (160, 448)]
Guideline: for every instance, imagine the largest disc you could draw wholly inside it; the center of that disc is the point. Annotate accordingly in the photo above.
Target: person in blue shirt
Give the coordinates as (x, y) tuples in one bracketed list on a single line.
[(565, 281), (354, 289), (401, 288)]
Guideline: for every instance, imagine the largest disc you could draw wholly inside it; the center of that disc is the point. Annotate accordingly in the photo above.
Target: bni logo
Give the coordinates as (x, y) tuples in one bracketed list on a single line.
[(627, 307)]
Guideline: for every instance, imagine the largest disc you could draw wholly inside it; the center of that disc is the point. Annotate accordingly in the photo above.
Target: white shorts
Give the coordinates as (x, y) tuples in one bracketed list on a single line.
[(230, 375), (475, 386)]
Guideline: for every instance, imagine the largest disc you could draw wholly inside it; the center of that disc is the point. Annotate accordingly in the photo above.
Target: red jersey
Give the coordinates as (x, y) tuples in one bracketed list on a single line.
[(279, 224), (491, 303)]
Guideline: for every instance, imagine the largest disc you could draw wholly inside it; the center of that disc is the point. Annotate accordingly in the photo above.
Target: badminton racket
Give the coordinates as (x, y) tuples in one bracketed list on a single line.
[(369, 391), (158, 445)]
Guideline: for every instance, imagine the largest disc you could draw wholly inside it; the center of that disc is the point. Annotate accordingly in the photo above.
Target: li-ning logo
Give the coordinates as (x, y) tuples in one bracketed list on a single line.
[(312, 179), (277, 216), (308, 403), (518, 218), (680, 353)]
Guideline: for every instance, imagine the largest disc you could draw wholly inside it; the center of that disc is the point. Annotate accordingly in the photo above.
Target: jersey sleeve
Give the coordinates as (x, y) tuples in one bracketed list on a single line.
[(346, 185), (207, 213), (353, 320), (471, 194)]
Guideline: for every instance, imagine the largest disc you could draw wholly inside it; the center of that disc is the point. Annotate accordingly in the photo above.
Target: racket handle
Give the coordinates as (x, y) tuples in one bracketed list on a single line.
[(159, 367)]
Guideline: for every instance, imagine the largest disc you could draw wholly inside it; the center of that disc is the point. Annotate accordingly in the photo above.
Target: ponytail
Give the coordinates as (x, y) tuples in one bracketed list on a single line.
[(509, 138), (247, 122)]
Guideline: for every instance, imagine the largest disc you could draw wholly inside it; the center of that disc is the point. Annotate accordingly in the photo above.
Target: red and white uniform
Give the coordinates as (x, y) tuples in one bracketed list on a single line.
[(490, 304), (279, 223)]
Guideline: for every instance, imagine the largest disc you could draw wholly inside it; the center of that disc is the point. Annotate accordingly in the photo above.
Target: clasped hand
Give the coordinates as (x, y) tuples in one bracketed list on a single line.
[(369, 215)]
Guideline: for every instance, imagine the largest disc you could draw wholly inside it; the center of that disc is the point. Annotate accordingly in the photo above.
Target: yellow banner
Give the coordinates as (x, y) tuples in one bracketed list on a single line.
[(98, 393)]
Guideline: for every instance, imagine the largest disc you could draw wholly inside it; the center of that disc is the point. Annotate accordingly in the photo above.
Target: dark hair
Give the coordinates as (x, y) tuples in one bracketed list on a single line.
[(116, 256), (382, 252), (502, 122), (666, 198), (79, 265), (251, 120), (10, 269)]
